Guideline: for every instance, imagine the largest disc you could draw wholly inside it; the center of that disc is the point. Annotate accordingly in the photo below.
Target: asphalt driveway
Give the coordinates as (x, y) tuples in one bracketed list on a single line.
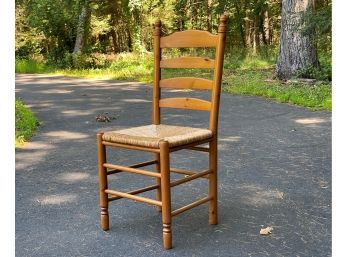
[(274, 170)]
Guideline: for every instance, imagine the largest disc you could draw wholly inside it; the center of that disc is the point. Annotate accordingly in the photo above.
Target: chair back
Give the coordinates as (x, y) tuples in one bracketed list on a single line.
[(189, 39)]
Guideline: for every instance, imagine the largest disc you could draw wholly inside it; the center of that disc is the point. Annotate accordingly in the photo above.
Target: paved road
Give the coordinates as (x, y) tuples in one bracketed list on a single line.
[(274, 170)]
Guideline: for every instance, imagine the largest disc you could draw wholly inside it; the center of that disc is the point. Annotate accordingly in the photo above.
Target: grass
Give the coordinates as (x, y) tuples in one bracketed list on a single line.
[(251, 82), (26, 123), (32, 66), (244, 74), (126, 67)]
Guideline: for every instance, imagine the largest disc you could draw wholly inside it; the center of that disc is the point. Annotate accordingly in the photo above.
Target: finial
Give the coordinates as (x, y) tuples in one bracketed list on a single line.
[(158, 23), (223, 22), (157, 29)]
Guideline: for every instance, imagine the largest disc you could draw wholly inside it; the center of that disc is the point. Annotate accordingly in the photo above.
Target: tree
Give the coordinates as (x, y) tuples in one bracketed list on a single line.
[(82, 27), (297, 50)]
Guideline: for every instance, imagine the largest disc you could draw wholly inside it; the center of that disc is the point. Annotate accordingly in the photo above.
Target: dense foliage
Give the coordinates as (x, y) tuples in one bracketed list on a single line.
[(26, 123), (113, 39), (50, 29)]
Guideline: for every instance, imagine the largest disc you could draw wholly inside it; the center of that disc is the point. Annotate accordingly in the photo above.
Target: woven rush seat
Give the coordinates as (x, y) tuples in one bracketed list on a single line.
[(151, 135)]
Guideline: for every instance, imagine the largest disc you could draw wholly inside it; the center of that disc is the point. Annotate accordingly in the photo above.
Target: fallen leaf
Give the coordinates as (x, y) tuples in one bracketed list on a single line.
[(104, 118), (280, 195), (266, 231), (323, 184)]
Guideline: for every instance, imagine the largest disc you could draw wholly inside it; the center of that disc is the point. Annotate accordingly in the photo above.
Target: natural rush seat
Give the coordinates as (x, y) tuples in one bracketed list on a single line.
[(161, 139), (152, 135)]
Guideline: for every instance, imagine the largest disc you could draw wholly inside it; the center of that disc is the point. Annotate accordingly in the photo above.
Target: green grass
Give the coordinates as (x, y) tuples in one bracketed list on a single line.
[(244, 74), (32, 66), (251, 82), (26, 123), (127, 67)]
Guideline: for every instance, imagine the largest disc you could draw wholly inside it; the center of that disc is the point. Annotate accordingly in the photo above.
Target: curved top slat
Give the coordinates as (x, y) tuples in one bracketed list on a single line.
[(187, 83), (189, 38), (185, 103)]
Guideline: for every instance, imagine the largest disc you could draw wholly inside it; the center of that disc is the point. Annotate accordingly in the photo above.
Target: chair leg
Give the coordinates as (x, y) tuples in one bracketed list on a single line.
[(166, 199), (213, 219), (158, 181), (103, 197)]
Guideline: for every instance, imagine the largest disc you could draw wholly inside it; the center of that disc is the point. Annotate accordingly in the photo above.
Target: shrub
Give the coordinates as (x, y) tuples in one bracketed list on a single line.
[(26, 123)]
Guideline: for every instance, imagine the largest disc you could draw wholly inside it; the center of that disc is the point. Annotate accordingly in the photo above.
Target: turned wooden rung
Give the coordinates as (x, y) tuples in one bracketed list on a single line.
[(199, 148), (190, 177), (137, 165), (191, 205), (186, 172), (176, 148), (133, 197), (132, 170), (134, 192)]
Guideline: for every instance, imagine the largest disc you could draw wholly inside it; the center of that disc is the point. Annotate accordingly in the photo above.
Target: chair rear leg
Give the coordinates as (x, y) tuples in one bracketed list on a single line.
[(158, 181), (213, 220), (166, 198), (103, 197)]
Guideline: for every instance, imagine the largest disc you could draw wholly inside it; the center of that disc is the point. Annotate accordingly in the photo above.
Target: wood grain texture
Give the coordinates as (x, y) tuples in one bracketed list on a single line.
[(135, 192), (156, 116), (189, 38), (166, 195), (188, 63), (185, 103), (133, 197), (213, 187), (103, 184), (190, 206), (132, 170), (137, 165), (187, 83), (220, 50)]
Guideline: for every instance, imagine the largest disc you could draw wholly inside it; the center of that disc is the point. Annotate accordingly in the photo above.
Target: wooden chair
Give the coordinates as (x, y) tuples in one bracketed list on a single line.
[(163, 139)]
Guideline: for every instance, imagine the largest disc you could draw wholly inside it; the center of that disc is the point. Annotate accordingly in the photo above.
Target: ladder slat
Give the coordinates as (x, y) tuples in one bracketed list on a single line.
[(188, 62)]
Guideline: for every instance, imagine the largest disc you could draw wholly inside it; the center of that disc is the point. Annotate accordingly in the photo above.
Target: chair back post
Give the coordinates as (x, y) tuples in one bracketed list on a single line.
[(219, 60), (157, 74)]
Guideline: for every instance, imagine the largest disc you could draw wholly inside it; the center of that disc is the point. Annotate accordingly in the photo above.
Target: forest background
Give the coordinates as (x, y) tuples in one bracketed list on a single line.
[(113, 39)]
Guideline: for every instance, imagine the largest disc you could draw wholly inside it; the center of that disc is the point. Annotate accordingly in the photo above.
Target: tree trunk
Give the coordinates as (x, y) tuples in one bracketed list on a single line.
[(257, 30), (114, 41), (240, 23), (209, 15), (82, 28), (129, 40), (248, 33), (297, 50), (265, 30)]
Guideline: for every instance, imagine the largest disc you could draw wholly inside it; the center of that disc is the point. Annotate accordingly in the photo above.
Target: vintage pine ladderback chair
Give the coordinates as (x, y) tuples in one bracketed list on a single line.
[(163, 139)]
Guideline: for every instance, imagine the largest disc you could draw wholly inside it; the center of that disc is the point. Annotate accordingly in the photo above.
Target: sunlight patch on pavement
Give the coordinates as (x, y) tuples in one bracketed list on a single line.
[(56, 91), (309, 121), (230, 139), (63, 134), (56, 199), (134, 100), (256, 195), (75, 176), (72, 113)]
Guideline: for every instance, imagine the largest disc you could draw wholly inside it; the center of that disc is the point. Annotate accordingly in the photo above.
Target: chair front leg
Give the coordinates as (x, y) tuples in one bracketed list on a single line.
[(103, 184), (165, 194), (213, 220)]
